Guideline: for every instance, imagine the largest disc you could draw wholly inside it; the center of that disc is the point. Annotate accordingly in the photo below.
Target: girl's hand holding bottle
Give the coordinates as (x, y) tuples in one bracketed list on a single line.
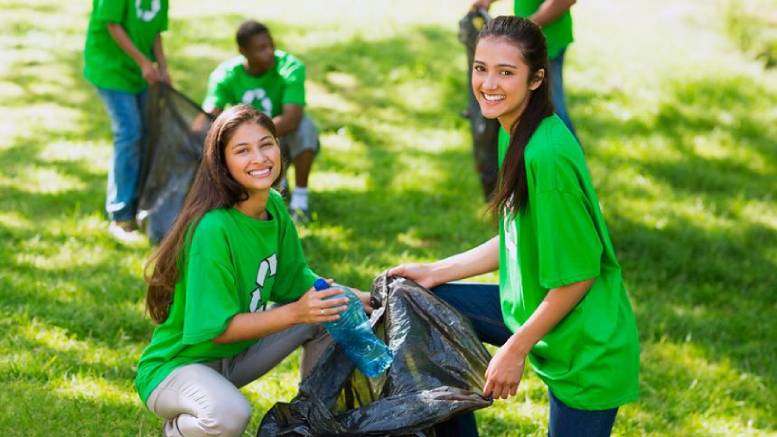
[(315, 307)]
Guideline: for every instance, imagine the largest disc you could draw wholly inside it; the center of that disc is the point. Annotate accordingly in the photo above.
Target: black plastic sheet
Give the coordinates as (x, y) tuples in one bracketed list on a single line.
[(175, 129), (437, 372)]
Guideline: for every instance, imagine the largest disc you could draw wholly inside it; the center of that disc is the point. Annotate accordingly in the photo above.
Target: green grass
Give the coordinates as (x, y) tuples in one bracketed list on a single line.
[(680, 131)]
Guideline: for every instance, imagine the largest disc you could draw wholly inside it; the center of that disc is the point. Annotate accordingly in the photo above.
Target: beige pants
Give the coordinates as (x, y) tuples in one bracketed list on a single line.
[(204, 400)]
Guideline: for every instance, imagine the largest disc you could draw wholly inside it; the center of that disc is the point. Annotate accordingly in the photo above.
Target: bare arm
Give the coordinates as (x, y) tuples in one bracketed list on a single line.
[(288, 121), (125, 43), (551, 10), (481, 259), (313, 307), (161, 60), (506, 368)]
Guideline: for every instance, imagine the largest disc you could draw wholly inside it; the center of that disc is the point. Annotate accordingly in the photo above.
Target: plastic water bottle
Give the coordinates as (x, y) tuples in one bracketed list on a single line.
[(352, 331)]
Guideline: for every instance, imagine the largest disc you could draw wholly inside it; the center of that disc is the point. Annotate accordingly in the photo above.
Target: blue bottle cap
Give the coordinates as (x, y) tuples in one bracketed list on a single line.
[(321, 284)]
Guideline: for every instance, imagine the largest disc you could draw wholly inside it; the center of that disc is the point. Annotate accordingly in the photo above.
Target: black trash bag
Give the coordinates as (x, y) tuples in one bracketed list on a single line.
[(485, 132), (175, 129), (437, 372)]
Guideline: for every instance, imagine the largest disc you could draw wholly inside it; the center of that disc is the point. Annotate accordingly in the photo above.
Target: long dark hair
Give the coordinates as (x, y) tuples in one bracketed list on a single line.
[(512, 191), (213, 187)]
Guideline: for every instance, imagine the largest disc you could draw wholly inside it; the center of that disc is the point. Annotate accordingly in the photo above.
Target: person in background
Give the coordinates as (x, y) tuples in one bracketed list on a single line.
[(273, 81), (561, 304), (123, 54), (555, 19)]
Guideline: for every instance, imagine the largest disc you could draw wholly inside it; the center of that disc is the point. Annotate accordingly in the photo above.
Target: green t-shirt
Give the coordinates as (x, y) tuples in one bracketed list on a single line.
[(106, 65), (558, 33), (590, 360), (230, 84), (233, 264)]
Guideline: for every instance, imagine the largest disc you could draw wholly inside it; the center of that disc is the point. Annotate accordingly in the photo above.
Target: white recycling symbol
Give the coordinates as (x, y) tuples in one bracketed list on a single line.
[(260, 95), (147, 14)]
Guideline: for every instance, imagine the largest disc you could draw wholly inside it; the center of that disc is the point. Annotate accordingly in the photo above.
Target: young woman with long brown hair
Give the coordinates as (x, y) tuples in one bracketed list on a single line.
[(561, 303), (232, 250)]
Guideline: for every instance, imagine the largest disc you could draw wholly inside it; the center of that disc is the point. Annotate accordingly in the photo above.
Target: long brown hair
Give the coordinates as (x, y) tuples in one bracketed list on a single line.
[(512, 191), (213, 187)]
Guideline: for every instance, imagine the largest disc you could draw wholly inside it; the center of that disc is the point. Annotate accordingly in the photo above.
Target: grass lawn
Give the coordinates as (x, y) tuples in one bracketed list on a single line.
[(679, 128)]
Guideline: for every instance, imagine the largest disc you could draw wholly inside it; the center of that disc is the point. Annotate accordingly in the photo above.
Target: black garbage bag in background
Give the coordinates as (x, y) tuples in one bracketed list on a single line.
[(437, 372), (175, 129), (485, 132)]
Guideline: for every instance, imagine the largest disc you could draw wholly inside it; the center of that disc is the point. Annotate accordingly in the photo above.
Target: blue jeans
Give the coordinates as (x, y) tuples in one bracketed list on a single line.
[(126, 112), (482, 306), (556, 66), (567, 421)]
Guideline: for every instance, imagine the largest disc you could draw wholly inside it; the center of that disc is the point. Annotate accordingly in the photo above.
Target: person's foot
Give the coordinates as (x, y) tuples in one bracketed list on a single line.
[(125, 231), (298, 205), (300, 216)]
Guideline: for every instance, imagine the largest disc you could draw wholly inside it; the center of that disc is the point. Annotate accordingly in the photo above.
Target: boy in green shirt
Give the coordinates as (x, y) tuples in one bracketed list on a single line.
[(273, 81), (122, 43)]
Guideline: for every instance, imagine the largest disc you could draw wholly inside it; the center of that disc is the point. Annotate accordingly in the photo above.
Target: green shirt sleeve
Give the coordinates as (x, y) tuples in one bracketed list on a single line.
[(569, 247), (293, 75), (165, 18), (294, 275), (110, 11), (211, 296), (218, 95)]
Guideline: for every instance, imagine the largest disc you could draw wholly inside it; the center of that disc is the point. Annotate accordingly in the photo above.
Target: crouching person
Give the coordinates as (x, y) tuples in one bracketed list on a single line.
[(272, 81), (232, 250)]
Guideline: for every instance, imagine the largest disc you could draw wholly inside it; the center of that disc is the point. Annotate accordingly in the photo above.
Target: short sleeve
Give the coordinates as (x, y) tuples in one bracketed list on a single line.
[(165, 18), (568, 243), (110, 11), (294, 275), (218, 95), (569, 247), (294, 83), (211, 298)]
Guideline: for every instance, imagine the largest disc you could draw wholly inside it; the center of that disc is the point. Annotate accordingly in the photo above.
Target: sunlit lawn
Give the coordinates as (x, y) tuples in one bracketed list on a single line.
[(680, 132)]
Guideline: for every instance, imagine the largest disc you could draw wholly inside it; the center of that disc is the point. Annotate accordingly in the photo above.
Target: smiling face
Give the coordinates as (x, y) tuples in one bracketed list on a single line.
[(500, 80), (253, 157)]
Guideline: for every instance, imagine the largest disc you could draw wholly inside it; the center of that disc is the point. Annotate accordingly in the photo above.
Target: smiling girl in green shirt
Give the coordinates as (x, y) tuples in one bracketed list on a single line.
[(232, 250), (561, 303)]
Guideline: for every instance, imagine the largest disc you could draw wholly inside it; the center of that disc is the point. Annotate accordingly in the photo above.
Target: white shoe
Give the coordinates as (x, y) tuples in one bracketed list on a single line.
[(123, 232)]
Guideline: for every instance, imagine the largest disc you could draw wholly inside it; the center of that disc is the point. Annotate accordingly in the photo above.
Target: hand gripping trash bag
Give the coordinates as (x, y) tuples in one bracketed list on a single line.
[(175, 129), (437, 372)]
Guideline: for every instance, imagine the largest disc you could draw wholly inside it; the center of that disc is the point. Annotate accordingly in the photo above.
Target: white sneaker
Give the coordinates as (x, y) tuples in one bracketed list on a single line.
[(123, 232)]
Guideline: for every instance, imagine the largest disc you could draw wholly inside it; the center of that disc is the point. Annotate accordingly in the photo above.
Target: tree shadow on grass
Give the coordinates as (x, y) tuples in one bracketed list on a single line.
[(25, 153), (717, 286), (709, 286), (381, 76), (35, 409), (42, 360)]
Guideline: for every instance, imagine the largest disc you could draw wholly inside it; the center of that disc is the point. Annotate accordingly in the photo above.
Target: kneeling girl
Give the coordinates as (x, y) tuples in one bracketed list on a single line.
[(232, 250)]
